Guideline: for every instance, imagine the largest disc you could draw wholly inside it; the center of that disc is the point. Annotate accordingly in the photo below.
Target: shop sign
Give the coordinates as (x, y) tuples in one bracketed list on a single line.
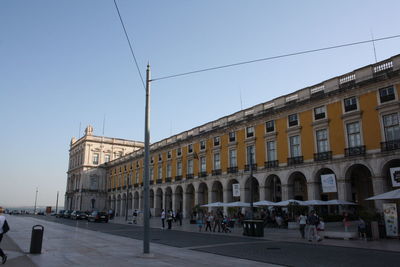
[(395, 174), (236, 190), (391, 221), (328, 182)]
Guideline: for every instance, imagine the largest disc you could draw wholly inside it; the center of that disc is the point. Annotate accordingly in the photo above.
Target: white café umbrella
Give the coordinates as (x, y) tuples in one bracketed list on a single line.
[(339, 202), (287, 202), (215, 204), (315, 202), (264, 203), (237, 204), (395, 194)]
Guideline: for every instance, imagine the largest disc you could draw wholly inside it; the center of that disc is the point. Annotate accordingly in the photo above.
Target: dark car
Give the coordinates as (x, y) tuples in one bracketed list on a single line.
[(60, 214), (79, 215), (67, 214), (98, 216)]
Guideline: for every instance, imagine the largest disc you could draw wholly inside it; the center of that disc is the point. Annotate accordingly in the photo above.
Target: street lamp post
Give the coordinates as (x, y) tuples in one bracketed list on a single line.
[(146, 233), (251, 185), (35, 200)]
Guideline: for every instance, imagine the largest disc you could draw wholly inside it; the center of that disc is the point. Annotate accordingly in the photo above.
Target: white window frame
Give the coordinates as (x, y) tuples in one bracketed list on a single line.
[(290, 146), (230, 158), (217, 163), (274, 157)]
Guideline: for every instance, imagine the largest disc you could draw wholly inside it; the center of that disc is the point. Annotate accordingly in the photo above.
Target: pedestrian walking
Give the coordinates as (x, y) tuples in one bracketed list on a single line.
[(346, 221), (169, 219), (217, 220), (179, 217), (134, 215), (199, 220), (312, 223), (302, 223), (362, 229), (163, 219), (209, 220), (321, 229), (4, 228)]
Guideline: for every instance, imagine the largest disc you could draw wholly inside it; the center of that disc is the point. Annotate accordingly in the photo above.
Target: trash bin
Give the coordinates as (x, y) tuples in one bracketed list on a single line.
[(36, 239), (253, 228)]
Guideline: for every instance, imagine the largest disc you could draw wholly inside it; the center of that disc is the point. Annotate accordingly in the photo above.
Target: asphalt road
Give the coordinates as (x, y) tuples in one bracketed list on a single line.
[(283, 253)]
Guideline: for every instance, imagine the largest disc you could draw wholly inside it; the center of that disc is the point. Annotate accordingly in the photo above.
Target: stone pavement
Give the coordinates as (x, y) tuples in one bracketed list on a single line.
[(72, 246), (276, 234)]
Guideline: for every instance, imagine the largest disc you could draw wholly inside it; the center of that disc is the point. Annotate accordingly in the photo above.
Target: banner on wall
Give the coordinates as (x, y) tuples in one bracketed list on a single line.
[(328, 182), (391, 221), (395, 175), (236, 190)]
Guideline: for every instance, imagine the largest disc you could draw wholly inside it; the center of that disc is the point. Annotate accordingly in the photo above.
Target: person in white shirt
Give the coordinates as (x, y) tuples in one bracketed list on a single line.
[(163, 218), (302, 223), (2, 220)]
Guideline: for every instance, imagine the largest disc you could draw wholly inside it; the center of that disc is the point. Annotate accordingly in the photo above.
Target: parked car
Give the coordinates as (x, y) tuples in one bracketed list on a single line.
[(60, 214), (98, 216), (79, 215), (67, 214)]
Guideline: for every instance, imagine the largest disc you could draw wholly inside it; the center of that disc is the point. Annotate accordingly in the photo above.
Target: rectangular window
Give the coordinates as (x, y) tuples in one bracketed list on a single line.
[(232, 158), (216, 141), (159, 172), (190, 166), (391, 127), (250, 131), (169, 154), (294, 142), (107, 158), (319, 113), (386, 94), (95, 158), (151, 160), (271, 150), (322, 140), (179, 151), (151, 173), (270, 126), (353, 134), (168, 170), (232, 136), (350, 104), (190, 148), (251, 155), (202, 144), (293, 121), (217, 161), (203, 164), (179, 168), (159, 157)]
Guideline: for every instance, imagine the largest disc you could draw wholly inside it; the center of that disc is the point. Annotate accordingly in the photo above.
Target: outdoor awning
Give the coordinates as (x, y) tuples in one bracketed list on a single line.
[(287, 202), (339, 202), (315, 202), (237, 204), (215, 204), (264, 203), (395, 194)]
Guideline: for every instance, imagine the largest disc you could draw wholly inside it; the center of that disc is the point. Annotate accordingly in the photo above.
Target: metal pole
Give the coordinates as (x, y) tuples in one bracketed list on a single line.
[(251, 185), (34, 212), (57, 203), (126, 201), (146, 230)]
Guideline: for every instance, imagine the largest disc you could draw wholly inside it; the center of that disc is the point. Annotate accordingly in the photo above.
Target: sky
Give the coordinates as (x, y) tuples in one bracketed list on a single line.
[(67, 63)]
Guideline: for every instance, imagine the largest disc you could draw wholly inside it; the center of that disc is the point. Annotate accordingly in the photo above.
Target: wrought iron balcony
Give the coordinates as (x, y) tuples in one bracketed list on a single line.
[(295, 160), (390, 145), (178, 177), (232, 170), (124, 187), (189, 176), (354, 151), (136, 185), (323, 156), (216, 172), (159, 181), (202, 174), (118, 188), (168, 179), (247, 167), (271, 164)]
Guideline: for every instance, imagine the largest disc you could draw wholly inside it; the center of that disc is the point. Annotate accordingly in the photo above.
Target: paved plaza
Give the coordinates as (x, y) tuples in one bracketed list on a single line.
[(79, 243)]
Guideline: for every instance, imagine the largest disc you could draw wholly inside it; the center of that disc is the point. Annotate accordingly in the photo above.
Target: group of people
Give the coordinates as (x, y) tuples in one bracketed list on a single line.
[(171, 216), (3, 229), (213, 221), (313, 224)]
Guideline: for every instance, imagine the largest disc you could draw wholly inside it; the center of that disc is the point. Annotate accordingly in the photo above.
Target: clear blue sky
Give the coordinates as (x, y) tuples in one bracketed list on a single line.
[(67, 62)]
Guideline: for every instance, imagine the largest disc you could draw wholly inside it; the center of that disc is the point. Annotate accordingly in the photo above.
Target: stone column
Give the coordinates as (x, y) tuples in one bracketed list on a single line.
[(184, 206), (174, 196), (285, 191), (225, 196), (378, 188), (313, 191), (344, 189), (209, 198), (262, 193)]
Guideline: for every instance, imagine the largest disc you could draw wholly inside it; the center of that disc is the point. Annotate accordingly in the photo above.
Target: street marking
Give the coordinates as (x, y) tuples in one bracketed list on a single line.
[(228, 244)]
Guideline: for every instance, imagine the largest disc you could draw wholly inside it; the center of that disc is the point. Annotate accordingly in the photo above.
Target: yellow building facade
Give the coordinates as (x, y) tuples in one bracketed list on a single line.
[(346, 127)]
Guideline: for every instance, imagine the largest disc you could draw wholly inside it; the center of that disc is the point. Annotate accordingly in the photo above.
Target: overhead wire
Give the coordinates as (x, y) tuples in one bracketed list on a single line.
[(273, 57), (130, 45)]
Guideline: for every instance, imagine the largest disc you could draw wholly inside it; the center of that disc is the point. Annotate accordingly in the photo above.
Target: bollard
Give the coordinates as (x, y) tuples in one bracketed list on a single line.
[(36, 239)]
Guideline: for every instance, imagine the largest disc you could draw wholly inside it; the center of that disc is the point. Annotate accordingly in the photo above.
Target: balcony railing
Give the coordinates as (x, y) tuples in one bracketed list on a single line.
[(390, 145), (323, 156), (178, 177), (189, 176), (216, 172), (247, 167), (319, 115), (271, 164), (159, 181), (141, 184), (168, 179), (136, 185), (354, 151), (202, 174), (118, 188), (124, 187), (295, 160), (232, 170)]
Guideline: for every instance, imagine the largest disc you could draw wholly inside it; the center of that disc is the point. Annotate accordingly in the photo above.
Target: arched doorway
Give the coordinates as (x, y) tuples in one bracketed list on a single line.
[(229, 191), (217, 192), (297, 186), (123, 209), (136, 200), (151, 199), (203, 194), (273, 188), (361, 185), (130, 201), (168, 198), (159, 202), (118, 209), (190, 191), (318, 186), (178, 198), (251, 190)]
